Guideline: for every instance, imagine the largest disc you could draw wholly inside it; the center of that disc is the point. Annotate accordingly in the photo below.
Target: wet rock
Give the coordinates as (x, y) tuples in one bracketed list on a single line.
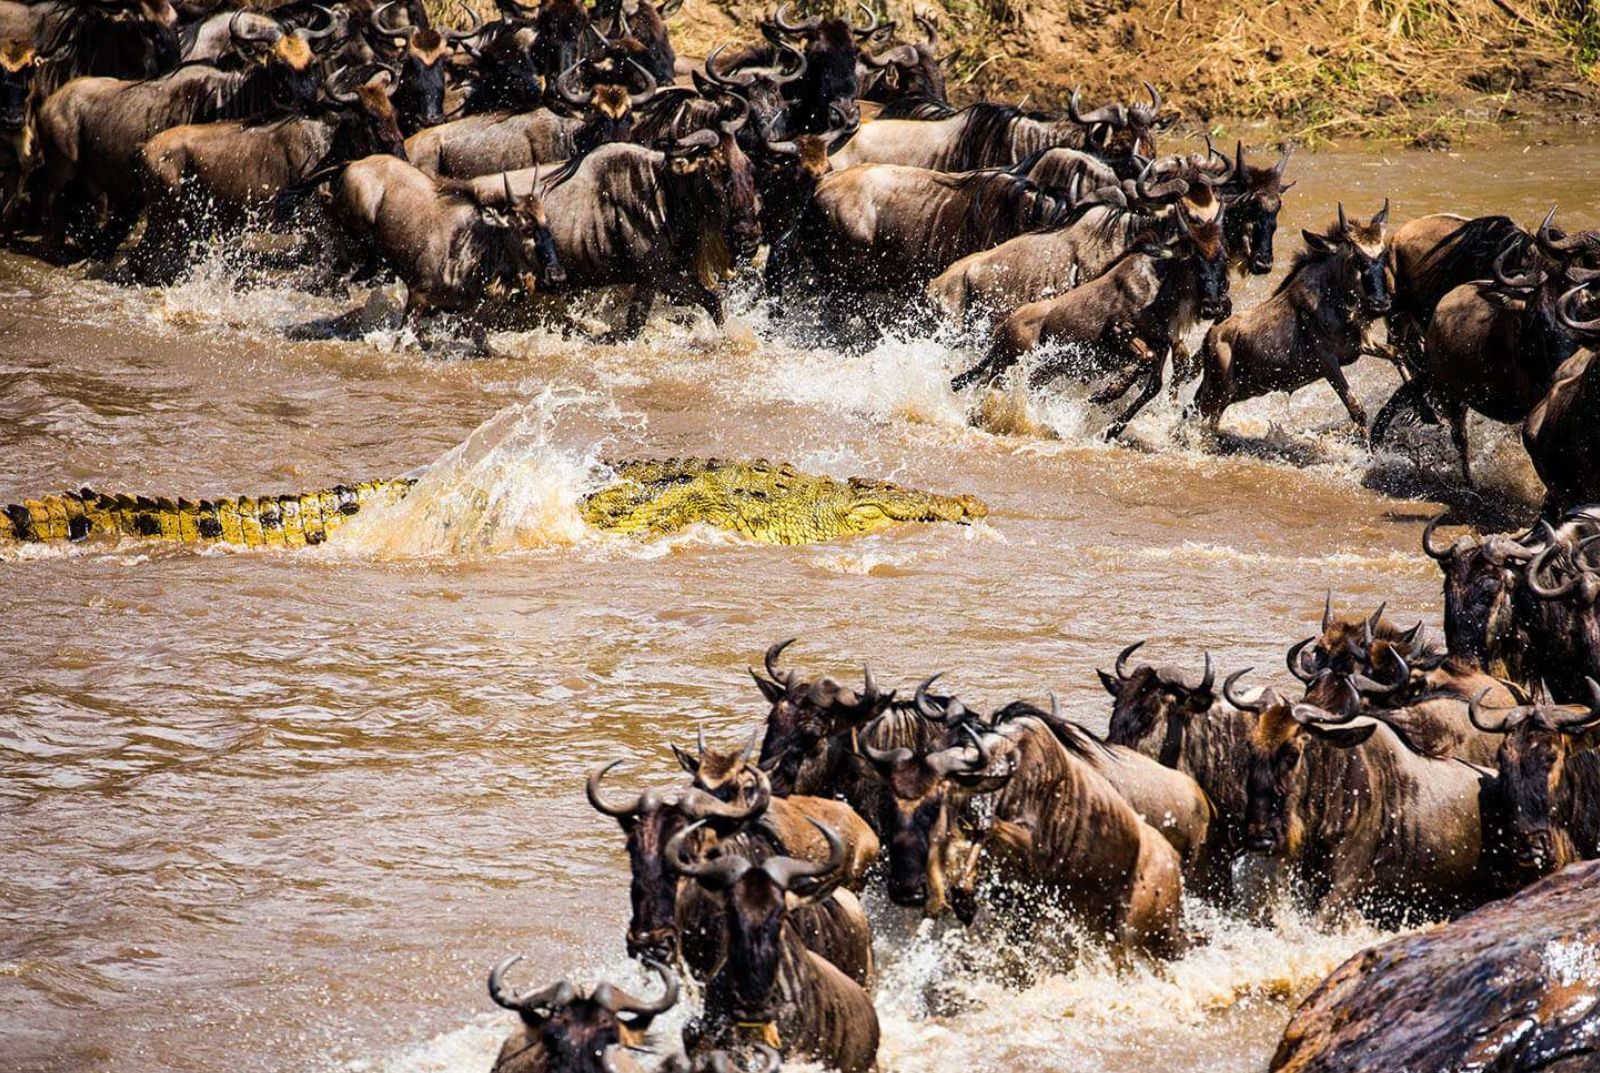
[(1513, 988)]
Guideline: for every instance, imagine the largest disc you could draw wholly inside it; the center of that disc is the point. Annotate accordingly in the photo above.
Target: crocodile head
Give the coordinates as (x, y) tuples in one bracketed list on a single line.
[(871, 505)]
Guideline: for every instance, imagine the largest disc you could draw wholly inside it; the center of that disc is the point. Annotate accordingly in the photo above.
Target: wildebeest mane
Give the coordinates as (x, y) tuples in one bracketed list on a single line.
[(1004, 205), (1468, 253), (986, 134), (1309, 257), (917, 108), (1075, 738)]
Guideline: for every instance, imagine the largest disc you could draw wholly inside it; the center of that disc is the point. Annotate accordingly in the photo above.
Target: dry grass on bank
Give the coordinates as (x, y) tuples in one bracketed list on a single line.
[(1424, 70)]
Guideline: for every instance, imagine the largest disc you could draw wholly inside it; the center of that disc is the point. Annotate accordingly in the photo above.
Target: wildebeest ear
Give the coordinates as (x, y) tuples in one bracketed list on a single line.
[(687, 762), (1110, 682), (1344, 737), (1319, 243)]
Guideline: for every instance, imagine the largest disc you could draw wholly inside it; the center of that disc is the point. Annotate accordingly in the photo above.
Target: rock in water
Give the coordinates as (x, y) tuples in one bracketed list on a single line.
[(1511, 988)]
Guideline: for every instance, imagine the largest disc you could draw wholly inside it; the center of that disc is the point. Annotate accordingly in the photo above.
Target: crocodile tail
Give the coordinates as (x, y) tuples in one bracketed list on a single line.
[(293, 521)]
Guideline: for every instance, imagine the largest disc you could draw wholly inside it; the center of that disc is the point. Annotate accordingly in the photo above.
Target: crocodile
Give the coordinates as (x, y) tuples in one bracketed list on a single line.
[(763, 502)]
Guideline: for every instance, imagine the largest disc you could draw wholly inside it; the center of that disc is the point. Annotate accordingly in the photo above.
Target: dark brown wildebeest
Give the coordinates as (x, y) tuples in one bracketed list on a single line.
[(1180, 722), (998, 136), (889, 229), (673, 918), (208, 179), (1428, 704), (130, 39), (1559, 430), (1362, 821), (1556, 609), (19, 101), (1549, 766), (769, 987), (1492, 346), (422, 55), (1254, 197), (1482, 580), (562, 29), (1314, 324), (1054, 829), (504, 75), (909, 78), (91, 130), (563, 1031), (645, 22), (1124, 322), (763, 87), (832, 80), (453, 252)]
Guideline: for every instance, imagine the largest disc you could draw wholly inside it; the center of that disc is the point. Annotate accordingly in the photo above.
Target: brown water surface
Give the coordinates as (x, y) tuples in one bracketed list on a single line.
[(281, 811)]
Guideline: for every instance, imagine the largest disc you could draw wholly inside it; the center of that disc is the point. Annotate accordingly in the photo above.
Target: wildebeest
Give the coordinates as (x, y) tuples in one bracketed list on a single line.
[(1361, 820), (769, 987), (1314, 324), (453, 252), (1179, 721), (1482, 580), (563, 1031), (832, 80), (763, 87), (1549, 764), (1556, 607), (422, 55), (1054, 828), (671, 917), (997, 135), (19, 98), (1127, 320), (92, 129), (130, 39), (492, 142), (207, 179), (910, 77), (1254, 197), (645, 22), (1558, 432), (561, 38)]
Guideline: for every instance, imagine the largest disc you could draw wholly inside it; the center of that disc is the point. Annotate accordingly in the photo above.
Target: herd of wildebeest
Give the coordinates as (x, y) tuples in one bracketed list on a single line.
[(561, 148), (1396, 773)]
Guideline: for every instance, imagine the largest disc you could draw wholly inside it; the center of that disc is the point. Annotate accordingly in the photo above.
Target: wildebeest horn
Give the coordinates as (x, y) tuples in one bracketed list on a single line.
[(308, 34), (721, 79), (955, 761), (649, 90), (1111, 113), (1344, 224), (925, 707), (1381, 217), (565, 91), (1560, 247), (783, 79), (930, 29), (1526, 281), (720, 871), (1208, 677), (873, 22), (1576, 722), (455, 37), (619, 1001), (885, 760), (557, 994), (1475, 714), (699, 805), (1427, 541), (1374, 621), (376, 19), (1364, 684), (785, 870), (1566, 307), (1536, 567), (1145, 115), (505, 182), (898, 56), (1297, 663), (252, 33), (1312, 715), (1283, 162), (605, 808), (1238, 157), (1257, 705), (734, 124), (771, 660), (788, 27), (1122, 659)]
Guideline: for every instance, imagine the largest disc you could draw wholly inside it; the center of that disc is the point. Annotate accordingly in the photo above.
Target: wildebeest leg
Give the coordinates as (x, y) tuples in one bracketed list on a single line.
[(1152, 388), (1341, 387), (1184, 367), (1408, 398), (120, 222), (644, 297), (693, 292), (1456, 415)]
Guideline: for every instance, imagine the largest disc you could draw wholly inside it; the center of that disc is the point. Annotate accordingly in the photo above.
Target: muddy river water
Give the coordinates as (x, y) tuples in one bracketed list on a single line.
[(281, 811)]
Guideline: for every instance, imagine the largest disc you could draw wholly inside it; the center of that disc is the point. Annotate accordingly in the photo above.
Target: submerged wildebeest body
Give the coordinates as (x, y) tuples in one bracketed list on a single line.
[(563, 1031), (1125, 321), (452, 252), (1362, 821), (1314, 324), (1549, 765), (213, 178), (769, 986)]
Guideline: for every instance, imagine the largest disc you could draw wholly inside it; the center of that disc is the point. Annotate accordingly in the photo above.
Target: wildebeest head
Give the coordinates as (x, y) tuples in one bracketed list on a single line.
[(1152, 699), (1357, 252), (1275, 775), (562, 27), (715, 181), (916, 820), (1254, 196), (755, 906), (378, 129), (1541, 740), (762, 87), (649, 821), (18, 61), (573, 1032), (642, 21), (1118, 131), (608, 108), (806, 716), (289, 64), (1343, 645), (1203, 251), (832, 77), (424, 58), (535, 242), (116, 38), (1479, 581), (909, 71)]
